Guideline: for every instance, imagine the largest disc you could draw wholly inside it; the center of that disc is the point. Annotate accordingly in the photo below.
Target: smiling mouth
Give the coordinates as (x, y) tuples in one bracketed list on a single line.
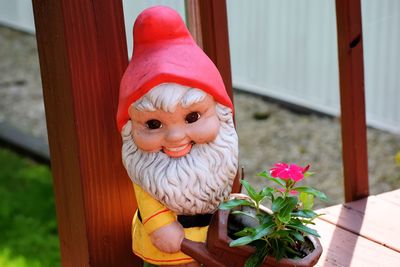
[(179, 151)]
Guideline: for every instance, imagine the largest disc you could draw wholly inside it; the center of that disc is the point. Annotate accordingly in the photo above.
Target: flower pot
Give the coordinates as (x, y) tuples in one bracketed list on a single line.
[(219, 253)]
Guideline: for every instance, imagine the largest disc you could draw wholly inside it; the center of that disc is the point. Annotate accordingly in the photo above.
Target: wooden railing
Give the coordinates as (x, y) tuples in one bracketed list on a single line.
[(82, 52)]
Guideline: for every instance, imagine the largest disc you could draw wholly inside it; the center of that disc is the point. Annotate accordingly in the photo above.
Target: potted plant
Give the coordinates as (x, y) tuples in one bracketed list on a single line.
[(244, 232), (278, 236)]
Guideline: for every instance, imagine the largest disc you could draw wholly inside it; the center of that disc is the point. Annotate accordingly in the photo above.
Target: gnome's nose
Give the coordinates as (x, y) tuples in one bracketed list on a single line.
[(175, 136)]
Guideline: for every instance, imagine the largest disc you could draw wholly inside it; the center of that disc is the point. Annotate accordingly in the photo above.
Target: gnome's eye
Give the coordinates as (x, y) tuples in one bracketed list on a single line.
[(153, 124), (192, 117)]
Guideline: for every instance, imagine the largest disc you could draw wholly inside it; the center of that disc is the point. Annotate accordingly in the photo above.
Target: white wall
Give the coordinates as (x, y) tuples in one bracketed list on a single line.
[(17, 14), (381, 27), (287, 49)]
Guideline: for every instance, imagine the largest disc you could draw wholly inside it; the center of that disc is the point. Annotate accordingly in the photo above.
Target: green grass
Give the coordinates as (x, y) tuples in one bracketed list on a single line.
[(28, 229)]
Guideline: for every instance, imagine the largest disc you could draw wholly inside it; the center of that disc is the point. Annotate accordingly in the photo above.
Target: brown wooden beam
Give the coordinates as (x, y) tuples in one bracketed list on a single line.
[(193, 20), (351, 71), (83, 54), (208, 24)]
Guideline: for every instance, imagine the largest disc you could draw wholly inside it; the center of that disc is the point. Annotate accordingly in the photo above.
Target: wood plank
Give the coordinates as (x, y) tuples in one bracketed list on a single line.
[(392, 197), (343, 249), (82, 53), (352, 99), (372, 218)]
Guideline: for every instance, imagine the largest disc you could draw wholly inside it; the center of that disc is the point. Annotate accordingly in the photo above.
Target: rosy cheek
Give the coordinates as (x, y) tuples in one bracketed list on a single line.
[(205, 131), (147, 142)]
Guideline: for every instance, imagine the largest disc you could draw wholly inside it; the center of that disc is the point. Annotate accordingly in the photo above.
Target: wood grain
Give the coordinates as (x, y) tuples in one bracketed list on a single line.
[(82, 52), (392, 197), (352, 99), (343, 248), (372, 218)]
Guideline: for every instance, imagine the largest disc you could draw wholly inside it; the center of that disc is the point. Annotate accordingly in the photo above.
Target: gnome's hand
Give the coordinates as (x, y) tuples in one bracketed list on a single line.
[(168, 238)]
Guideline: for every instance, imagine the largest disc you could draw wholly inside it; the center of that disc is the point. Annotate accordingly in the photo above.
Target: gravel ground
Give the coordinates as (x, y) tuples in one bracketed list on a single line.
[(21, 100), (268, 132)]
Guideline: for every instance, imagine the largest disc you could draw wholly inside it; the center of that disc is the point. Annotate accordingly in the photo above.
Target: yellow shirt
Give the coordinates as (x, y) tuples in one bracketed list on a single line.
[(154, 215)]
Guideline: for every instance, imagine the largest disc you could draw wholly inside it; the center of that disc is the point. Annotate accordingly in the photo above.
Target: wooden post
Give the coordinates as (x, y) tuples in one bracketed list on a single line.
[(351, 69), (193, 21), (208, 24), (83, 54)]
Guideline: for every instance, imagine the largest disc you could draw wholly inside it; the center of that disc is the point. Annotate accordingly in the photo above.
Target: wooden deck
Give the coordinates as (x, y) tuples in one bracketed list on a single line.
[(362, 233)]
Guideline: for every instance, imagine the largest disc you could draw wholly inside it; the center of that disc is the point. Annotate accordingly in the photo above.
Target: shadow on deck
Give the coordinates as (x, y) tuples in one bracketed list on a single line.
[(361, 233)]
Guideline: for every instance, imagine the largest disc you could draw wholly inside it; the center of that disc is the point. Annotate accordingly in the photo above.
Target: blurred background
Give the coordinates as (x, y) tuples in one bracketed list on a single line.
[(285, 76)]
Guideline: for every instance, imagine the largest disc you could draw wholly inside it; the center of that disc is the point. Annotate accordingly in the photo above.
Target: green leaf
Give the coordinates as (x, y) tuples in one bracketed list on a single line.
[(312, 191), (251, 191), (302, 228), (278, 248), (266, 192), (283, 235), (266, 175), (247, 231), (304, 214), (288, 239), (277, 204), (265, 218), (297, 236), (307, 200), (307, 221), (241, 241), (291, 250), (257, 258), (251, 215), (255, 234), (285, 211), (284, 217), (235, 203), (263, 230)]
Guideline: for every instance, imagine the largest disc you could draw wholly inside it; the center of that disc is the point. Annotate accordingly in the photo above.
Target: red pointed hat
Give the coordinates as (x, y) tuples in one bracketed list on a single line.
[(165, 52)]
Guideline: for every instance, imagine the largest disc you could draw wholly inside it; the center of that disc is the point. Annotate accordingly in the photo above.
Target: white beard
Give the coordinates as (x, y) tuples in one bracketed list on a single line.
[(193, 184)]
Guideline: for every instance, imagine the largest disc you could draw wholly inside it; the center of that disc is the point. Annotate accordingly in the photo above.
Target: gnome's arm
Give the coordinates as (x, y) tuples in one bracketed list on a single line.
[(159, 222)]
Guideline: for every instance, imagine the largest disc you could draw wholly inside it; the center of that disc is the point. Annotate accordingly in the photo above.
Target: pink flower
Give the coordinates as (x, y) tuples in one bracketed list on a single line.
[(285, 171), (292, 192)]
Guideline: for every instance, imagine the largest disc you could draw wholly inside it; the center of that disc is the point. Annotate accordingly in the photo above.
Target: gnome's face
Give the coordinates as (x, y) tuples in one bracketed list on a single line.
[(181, 147), (175, 133)]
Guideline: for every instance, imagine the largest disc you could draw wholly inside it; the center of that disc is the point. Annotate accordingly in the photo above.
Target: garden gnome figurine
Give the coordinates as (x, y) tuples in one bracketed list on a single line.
[(180, 147)]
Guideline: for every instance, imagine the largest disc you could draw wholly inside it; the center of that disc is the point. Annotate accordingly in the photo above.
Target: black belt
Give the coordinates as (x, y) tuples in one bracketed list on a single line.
[(188, 221)]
